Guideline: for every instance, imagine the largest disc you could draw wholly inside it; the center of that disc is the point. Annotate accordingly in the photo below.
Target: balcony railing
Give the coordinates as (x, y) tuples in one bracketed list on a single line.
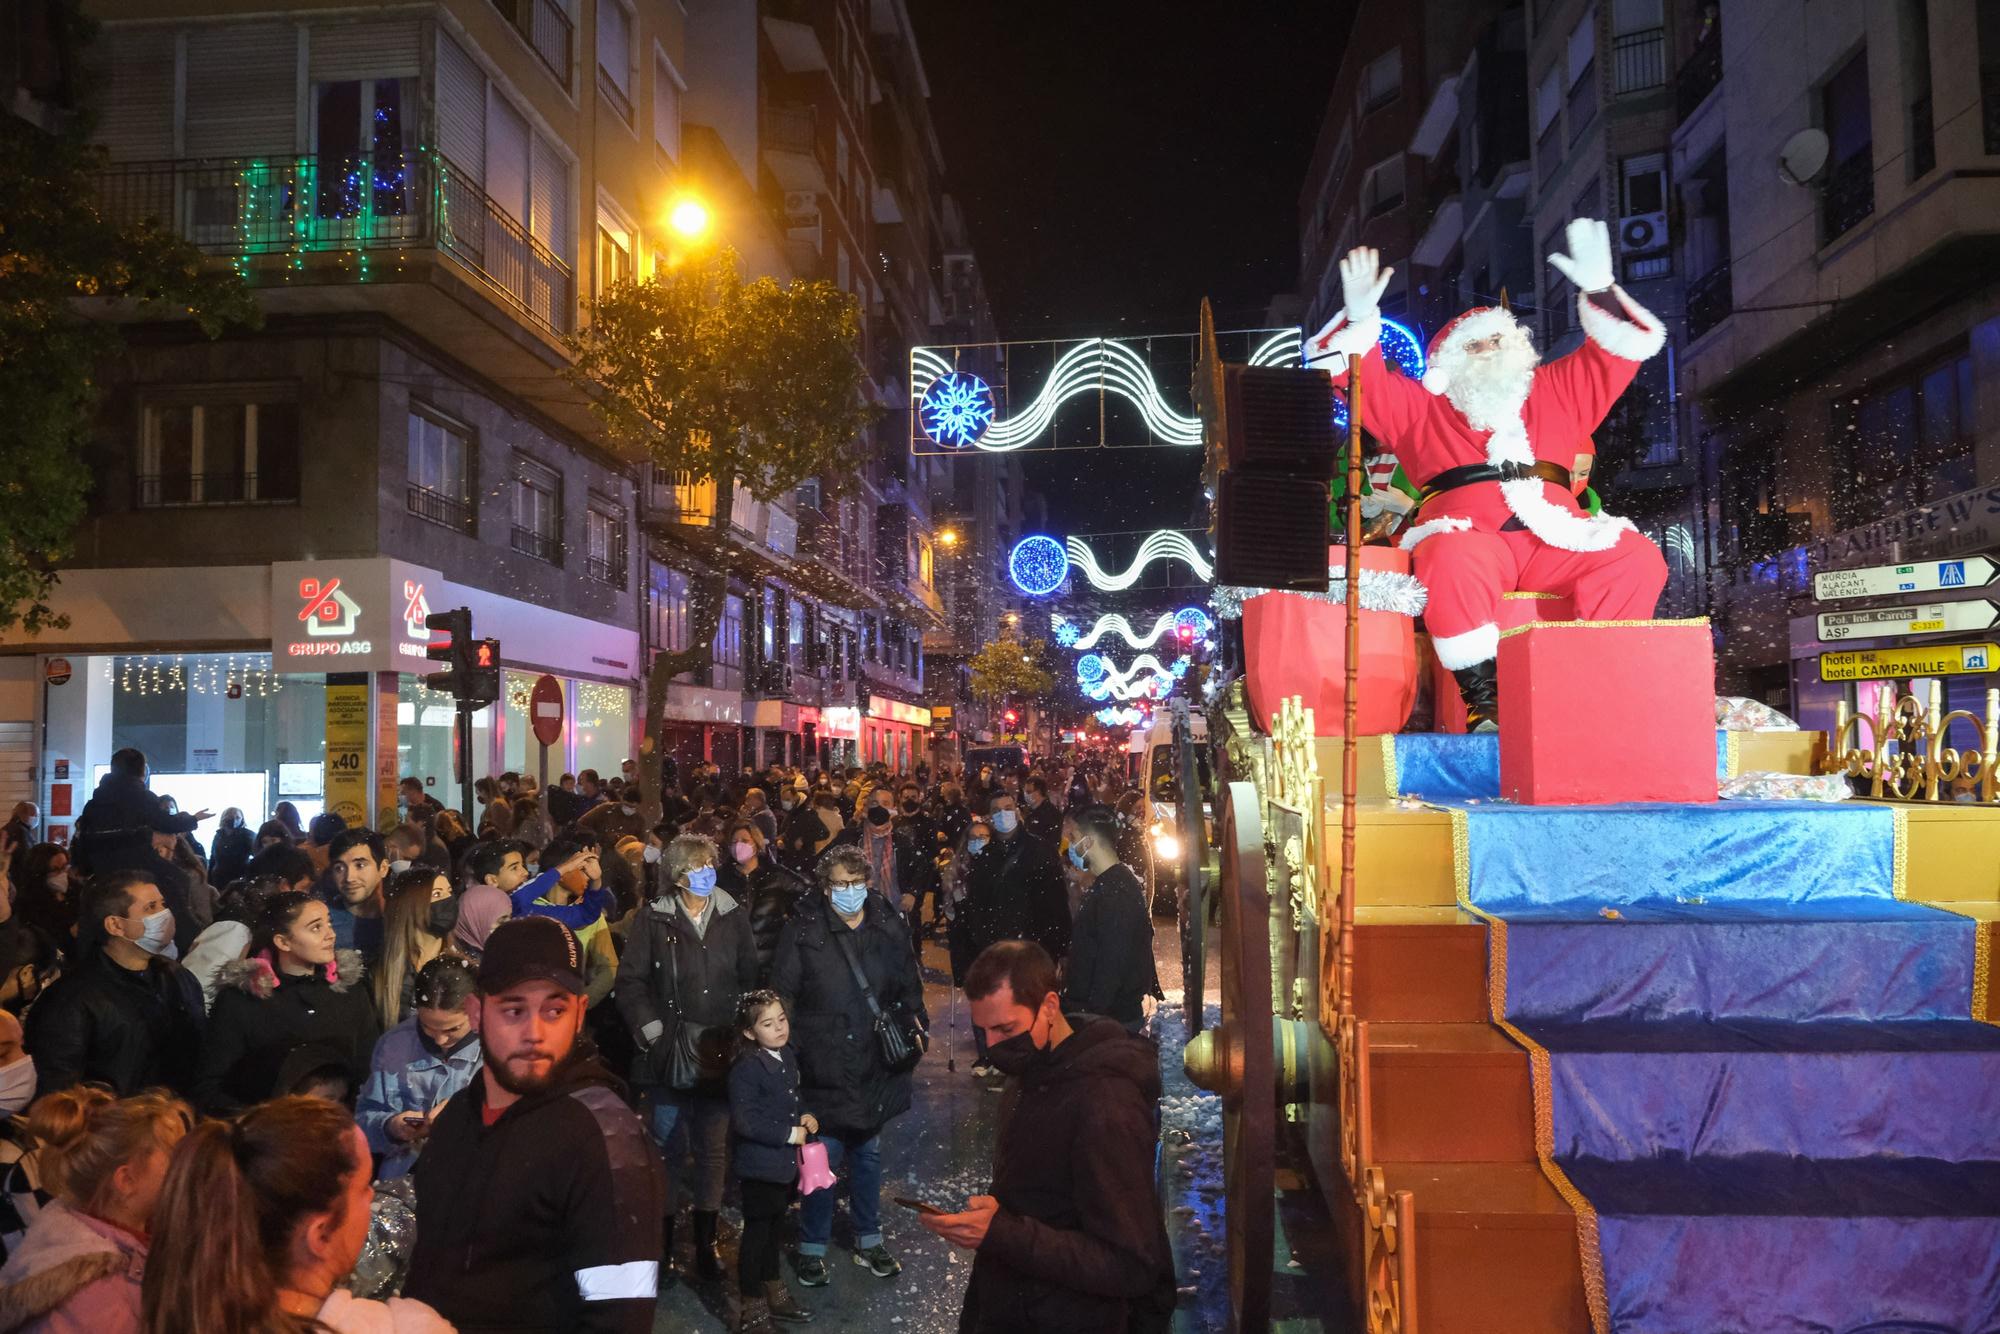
[(606, 570), (292, 207), (1639, 61), (1989, 105), (542, 546), (546, 29), (1710, 298), (789, 128), (440, 508), (1848, 196), (1698, 74), (1583, 102), (176, 489)]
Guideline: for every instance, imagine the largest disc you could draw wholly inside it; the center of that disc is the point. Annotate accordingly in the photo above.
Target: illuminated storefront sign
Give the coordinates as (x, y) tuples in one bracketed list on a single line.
[(895, 711), (349, 616), (840, 723)]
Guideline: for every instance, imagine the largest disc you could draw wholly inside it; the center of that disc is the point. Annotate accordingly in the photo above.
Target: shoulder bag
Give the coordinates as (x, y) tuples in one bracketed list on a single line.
[(693, 1057), (900, 1037)]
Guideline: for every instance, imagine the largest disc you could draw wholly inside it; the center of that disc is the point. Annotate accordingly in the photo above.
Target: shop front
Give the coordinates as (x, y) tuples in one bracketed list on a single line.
[(895, 733)]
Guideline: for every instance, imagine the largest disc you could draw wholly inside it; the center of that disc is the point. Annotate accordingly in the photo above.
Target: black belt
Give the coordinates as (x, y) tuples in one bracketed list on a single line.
[(1472, 473)]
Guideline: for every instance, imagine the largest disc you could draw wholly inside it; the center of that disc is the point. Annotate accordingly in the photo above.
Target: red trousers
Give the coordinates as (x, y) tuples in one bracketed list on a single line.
[(1466, 572)]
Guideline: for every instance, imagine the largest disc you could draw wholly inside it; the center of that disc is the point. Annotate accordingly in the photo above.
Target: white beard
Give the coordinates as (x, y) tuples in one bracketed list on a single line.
[(1490, 390)]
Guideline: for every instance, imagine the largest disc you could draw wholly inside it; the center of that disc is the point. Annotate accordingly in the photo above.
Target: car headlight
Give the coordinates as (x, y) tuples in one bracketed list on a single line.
[(1166, 846)]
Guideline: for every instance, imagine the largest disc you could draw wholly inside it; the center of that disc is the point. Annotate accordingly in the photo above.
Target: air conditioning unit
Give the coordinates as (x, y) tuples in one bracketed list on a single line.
[(801, 203), (1642, 233)]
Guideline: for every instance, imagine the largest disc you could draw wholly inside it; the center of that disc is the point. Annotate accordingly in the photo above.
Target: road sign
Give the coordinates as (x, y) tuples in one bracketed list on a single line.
[(1934, 660), (546, 706), (57, 671), (1924, 576), (1927, 619)]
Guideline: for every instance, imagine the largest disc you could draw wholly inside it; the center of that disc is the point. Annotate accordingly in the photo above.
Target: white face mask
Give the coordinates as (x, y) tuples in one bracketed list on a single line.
[(59, 883), (651, 854), (400, 864), (17, 1086), (159, 934)]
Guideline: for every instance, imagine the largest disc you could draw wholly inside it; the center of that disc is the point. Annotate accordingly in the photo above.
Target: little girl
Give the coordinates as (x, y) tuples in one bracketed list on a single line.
[(767, 1126)]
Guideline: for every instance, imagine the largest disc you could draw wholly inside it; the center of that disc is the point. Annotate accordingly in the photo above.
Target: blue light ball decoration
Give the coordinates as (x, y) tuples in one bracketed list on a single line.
[(1402, 349), (956, 409), (1194, 621), (1038, 565), (1090, 669)]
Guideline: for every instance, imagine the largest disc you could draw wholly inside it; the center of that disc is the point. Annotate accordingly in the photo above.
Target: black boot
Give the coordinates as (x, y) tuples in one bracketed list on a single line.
[(1479, 686), (667, 1251), (707, 1264)]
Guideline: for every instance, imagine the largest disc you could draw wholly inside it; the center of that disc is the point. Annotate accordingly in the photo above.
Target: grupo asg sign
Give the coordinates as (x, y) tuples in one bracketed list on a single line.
[(350, 616)]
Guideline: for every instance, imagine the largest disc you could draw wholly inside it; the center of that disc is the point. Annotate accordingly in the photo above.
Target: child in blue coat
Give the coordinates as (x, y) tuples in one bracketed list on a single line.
[(767, 1124), (419, 1064)]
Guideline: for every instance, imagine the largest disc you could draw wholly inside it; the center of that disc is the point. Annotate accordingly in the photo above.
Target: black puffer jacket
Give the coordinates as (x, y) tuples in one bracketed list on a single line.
[(115, 832), (773, 894), (1079, 1244), (1016, 892), (130, 1030), (841, 1075), (260, 1019), (669, 976)]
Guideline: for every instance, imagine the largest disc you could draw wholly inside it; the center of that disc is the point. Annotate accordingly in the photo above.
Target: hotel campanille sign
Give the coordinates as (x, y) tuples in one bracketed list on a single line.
[(350, 616)]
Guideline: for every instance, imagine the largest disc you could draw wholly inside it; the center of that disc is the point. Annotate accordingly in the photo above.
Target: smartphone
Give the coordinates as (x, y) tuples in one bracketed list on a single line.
[(918, 1205)]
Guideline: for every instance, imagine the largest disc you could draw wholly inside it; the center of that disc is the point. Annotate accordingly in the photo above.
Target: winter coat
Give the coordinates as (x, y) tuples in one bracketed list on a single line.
[(407, 1076), (764, 1111), (229, 857), (73, 1274), (773, 895), (1111, 952), (669, 976), (841, 1075), (128, 1030), (118, 822), (574, 1176), (260, 1019), (801, 831), (1016, 892), (1079, 1243), (22, 1198), (345, 1313), (1043, 821)]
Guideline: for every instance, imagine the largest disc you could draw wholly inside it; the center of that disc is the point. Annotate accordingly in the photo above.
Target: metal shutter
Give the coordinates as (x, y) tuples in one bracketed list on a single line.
[(550, 223), (461, 110), (382, 49), (507, 157), (135, 70), (242, 89)]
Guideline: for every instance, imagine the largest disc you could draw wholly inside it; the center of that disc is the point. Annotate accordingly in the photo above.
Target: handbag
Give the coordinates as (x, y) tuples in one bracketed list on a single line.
[(814, 1174), (693, 1056), (900, 1037)]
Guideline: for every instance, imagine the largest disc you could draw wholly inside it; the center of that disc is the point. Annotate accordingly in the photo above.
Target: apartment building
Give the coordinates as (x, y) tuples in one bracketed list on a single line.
[(1836, 166)]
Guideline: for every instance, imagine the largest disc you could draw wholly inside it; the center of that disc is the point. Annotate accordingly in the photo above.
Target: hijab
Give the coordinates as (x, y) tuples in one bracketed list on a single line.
[(480, 909)]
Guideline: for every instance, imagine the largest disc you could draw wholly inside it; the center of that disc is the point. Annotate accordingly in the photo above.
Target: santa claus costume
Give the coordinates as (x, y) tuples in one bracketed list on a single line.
[(1491, 436)]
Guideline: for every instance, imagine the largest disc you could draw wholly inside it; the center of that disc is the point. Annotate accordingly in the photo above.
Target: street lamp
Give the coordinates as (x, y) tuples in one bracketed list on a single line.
[(948, 537), (689, 216)]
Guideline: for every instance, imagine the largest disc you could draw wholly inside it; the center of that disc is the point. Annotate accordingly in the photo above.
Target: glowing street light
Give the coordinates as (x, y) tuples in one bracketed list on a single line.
[(948, 537), (689, 216)]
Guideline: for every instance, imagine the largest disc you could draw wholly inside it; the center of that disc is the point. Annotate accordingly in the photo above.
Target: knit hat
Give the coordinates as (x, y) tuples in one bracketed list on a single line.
[(1447, 350)]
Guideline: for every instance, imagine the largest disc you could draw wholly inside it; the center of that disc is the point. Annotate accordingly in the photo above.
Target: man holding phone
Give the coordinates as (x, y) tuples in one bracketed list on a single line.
[(1072, 1236)]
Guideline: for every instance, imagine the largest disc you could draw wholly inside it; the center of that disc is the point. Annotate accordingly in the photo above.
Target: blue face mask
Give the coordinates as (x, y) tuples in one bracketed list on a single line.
[(701, 881), (847, 901), (1076, 858), (974, 844)]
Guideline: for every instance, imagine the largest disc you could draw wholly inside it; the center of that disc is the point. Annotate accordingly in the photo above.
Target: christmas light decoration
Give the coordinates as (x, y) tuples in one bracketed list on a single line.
[(1067, 634), (1402, 349), (1038, 565), (956, 409), (1166, 544)]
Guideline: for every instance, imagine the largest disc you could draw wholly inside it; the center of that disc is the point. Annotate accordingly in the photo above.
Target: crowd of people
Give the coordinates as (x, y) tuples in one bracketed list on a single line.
[(442, 1076)]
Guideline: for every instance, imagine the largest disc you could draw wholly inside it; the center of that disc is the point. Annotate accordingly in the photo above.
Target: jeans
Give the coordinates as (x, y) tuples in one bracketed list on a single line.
[(864, 1194), (706, 1121)]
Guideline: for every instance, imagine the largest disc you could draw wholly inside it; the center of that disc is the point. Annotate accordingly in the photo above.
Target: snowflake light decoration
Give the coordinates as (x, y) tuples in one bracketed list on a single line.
[(1066, 631), (956, 409), (1038, 565)]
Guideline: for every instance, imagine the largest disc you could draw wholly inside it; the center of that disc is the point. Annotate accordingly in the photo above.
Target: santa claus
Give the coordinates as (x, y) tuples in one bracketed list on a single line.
[(1492, 439)]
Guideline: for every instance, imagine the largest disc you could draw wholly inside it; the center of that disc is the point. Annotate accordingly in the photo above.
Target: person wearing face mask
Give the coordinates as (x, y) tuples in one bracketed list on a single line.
[(1073, 1229), (419, 1064), (23, 1188), (1024, 884), (17, 836), (771, 891), (689, 957), (616, 817), (418, 923), (878, 843), (125, 1016), (45, 898), (847, 928), (1044, 821), (1111, 969)]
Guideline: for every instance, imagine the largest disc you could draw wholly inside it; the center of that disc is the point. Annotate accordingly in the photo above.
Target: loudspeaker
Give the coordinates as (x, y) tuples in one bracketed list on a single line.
[(1271, 530), (1278, 419)]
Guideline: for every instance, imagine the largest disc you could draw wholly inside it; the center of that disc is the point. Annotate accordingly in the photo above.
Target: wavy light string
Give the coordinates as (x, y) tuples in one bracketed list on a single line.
[(1115, 623), (1165, 544)]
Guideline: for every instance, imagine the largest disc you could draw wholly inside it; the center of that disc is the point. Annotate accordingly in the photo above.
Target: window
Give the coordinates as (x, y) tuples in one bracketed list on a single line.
[(614, 256), (1382, 188), (604, 541), (360, 136), (1381, 81), (440, 487), (1847, 192), (614, 56), (796, 636), (667, 608), (666, 107), (1548, 100), (1645, 185), (729, 645), (537, 510), (219, 453), (1909, 438), (1583, 46)]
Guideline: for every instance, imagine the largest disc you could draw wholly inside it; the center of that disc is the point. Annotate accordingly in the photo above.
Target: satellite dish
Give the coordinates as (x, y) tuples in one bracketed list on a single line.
[(1803, 156)]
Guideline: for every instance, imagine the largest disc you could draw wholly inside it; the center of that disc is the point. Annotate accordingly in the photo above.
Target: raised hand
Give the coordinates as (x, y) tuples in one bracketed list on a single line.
[(1362, 282), (1588, 263)]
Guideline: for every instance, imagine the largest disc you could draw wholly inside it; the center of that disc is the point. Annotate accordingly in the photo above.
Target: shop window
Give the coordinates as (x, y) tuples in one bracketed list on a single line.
[(605, 555), (537, 510), (603, 729), (440, 478), (219, 453)]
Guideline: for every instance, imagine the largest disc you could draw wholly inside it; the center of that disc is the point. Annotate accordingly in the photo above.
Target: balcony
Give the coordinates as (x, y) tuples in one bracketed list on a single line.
[(437, 507), (309, 219), (547, 30), (1639, 61), (789, 134), (606, 570), (1710, 299), (677, 499), (542, 546), (1848, 195), (176, 490), (1698, 75)]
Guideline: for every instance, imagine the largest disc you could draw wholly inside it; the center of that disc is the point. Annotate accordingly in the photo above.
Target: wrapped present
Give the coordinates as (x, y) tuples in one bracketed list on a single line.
[(1296, 644), (1515, 609)]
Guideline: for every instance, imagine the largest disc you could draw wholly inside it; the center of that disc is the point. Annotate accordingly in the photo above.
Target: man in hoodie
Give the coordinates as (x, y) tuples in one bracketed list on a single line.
[(538, 1190), (1072, 1237)]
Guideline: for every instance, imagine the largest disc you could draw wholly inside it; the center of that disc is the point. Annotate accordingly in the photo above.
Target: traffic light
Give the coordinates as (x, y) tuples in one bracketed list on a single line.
[(457, 626), (1011, 717), (482, 673)]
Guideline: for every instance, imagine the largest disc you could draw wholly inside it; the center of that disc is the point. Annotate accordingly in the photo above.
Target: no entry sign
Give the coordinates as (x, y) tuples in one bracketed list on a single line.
[(545, 710)]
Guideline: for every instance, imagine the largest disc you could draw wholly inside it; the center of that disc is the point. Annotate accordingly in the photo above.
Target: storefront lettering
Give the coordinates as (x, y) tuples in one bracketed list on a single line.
[(326, 648)]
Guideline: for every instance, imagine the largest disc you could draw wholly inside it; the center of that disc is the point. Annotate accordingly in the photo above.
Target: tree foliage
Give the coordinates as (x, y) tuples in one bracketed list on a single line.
[(62, 265), (1010, 666)]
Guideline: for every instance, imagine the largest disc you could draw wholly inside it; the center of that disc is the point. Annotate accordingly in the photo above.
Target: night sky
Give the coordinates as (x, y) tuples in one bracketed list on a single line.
[(1117, 162)]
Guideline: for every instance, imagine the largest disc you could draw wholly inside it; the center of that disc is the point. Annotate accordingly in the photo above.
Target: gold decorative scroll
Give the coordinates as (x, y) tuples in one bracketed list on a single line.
[(1910, 759)]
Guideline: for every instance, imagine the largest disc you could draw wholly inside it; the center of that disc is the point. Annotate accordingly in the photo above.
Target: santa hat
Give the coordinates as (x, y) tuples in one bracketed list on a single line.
[(1447, 350)]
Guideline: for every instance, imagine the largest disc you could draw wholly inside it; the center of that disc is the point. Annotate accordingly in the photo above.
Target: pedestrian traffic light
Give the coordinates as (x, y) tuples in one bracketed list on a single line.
[(457, 626), (482, 673)]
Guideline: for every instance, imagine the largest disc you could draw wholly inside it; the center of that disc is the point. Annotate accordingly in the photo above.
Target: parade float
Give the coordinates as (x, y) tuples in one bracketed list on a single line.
[(1563, 1041)]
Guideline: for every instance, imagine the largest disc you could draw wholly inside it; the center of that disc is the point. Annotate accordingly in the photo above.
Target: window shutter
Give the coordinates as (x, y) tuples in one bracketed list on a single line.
[(614, 43), (384, 49), (461, 110), (550, 220), (507, 157), (242, 89), (136, 74), (666, 109)]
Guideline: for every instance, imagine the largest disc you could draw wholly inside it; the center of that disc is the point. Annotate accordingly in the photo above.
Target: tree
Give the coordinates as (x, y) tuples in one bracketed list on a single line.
[(722, 383), (1010, 666), (62, 262)]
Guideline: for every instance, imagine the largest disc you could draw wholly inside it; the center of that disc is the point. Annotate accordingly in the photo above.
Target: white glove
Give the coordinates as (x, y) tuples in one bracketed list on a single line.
[(1588, 263), (1362, 282)]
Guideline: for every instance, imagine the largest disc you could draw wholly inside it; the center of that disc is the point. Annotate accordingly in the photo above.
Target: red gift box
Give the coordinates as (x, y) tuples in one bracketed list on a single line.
[(1297, 645), (1600, 711), (1448, 714)]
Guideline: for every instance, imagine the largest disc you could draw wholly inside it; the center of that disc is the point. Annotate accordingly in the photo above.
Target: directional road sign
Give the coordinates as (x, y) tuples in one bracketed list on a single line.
[(1924, 576), (1935, 660), (1927, 619)]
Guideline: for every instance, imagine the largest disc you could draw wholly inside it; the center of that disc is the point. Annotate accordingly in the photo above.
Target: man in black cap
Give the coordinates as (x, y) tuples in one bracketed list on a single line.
[(538, 1191)]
